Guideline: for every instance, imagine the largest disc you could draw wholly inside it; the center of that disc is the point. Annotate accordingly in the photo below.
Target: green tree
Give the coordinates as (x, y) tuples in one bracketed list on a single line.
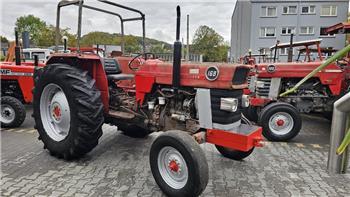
[(99, 38), (34, 25), (159, 48), (132, 44), (48, 36), (4, 39), (208, 42)]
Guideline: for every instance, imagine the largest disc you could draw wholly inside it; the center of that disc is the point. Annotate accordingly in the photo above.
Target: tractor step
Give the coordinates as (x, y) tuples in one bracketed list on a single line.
[(121, 114)]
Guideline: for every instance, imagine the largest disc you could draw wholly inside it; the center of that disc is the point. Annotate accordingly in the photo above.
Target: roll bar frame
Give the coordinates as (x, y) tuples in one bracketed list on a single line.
[(81, 5)]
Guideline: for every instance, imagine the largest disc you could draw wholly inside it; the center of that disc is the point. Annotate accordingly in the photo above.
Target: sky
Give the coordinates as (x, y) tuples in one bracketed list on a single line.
[(160, 16)]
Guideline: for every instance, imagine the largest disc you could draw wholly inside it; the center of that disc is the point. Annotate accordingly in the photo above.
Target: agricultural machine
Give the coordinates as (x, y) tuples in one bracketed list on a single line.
[(76, 93), (280, 115), (16, 86)]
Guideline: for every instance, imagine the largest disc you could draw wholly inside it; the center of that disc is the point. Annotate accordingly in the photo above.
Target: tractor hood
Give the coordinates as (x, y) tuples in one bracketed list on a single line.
[(211, 75), (292, 69)]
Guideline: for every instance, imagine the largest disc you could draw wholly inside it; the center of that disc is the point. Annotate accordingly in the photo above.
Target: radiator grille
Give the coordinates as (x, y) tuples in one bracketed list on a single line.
[(263, 87)]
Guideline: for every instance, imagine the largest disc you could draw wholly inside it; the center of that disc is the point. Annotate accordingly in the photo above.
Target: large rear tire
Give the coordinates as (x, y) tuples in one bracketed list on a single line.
[(68, 110), (12, 111), (280, 121), (233, 154), (178, 164)]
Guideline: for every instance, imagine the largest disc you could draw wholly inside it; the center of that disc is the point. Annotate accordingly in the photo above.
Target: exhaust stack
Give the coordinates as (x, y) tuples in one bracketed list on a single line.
[(17, 50), (177, 52)]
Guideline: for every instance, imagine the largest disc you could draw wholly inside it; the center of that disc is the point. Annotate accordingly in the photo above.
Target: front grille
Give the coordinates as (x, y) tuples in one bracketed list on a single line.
[(263, 87), (220, 116)]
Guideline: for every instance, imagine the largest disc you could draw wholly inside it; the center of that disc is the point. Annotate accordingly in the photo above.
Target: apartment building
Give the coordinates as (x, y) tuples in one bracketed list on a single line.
[(258, 24)]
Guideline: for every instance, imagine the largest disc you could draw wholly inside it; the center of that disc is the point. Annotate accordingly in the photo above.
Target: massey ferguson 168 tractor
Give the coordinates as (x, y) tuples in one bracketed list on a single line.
[(75, 93), (280, 115)]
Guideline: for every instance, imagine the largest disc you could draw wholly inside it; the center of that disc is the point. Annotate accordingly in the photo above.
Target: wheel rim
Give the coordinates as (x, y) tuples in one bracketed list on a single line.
[(55, 112), (281, 123), (172, 167), (7, 114)]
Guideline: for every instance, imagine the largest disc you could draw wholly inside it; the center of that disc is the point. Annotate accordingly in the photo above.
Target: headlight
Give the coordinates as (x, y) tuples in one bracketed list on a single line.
[(229, 104), (245, 101)]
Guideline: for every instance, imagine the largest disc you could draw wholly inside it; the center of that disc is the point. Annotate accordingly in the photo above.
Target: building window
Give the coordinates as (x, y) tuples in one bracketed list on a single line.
[(324, 34), (268, 11), (308, 9), (329, 10), (267, 32), (289, 9), (288, 30), (284, 51), (307, 30), (264, 51)]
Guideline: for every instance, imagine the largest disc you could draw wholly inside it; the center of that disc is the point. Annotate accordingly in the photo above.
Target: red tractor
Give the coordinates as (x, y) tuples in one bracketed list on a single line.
[(280, 116), (16, 88), (76, 93)]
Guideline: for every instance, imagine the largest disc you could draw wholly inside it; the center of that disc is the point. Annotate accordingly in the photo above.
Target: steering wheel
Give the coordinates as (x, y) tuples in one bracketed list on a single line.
[(342, 62), (139, 60)]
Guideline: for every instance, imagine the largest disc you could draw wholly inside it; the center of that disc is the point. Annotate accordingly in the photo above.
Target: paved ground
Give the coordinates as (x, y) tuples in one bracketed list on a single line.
[(119, 167)]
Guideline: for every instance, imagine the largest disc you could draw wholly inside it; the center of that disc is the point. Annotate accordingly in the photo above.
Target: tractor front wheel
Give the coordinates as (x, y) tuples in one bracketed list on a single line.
[(251, 113), (68, 111), (178, 164), (280, 121), (12, 111), (233, 154)]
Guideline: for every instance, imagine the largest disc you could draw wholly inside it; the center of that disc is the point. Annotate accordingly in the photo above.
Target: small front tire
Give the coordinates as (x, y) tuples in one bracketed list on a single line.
[(233, 154), (178, 164), (280, 121), (13, 112), (133, 131)]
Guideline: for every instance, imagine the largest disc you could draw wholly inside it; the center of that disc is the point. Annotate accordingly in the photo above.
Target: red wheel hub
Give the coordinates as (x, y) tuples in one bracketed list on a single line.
[(280, 122), (56, 112), (173, 166)]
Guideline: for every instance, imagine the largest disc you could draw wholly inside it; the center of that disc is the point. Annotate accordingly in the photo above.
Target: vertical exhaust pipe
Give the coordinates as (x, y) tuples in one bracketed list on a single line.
[(17, 50), (177, 53)]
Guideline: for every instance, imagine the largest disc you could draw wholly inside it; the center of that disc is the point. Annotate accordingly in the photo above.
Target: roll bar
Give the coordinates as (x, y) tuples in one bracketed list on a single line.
[(81, 5)]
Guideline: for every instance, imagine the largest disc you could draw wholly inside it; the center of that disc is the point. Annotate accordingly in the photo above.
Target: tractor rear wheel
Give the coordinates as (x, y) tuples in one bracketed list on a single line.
[(68, 110), (178, 164), (12, 111), (233, 154), (280, 121)]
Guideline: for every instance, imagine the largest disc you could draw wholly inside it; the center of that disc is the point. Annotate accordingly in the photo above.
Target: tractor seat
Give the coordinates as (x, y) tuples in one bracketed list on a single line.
[(113, 70), (111, 66)]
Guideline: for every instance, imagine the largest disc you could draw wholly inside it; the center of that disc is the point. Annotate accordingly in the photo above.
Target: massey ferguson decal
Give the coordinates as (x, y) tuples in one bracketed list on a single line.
[(271, 68), (212, 73), (8, 72), (5, 71)]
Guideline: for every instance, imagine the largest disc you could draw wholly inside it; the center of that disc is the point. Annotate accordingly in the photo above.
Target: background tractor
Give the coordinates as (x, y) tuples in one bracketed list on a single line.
[(75, 93), (16, 86), (280, 115)]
